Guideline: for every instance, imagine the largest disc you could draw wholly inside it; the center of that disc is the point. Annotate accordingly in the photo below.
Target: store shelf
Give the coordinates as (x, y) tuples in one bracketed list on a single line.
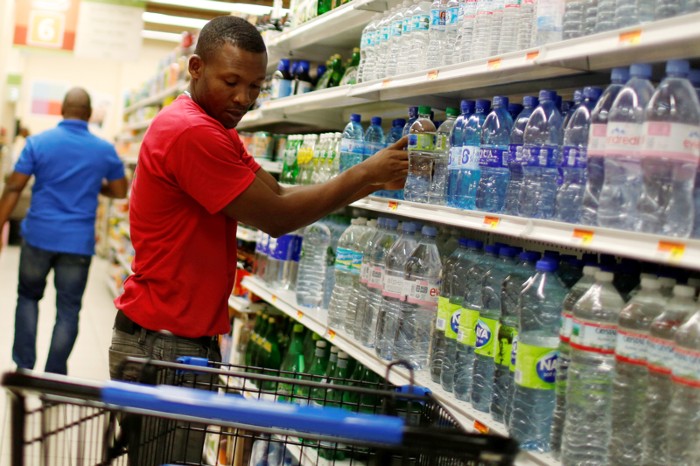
[(157, 98), (652, 248), (270, 166), (137, 125), (316, 320), (238, 303), (244, 233)]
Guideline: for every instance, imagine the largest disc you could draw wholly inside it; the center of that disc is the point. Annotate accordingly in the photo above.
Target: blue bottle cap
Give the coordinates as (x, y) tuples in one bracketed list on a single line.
[(483, 105), (507, 251), (500, 101), (381, 222), (531, 101), (412, 112), (590, 259), (640, 70), (546, 265), (694, 77), (547, 95), (475, 244), (283, 65), (467, 106), (677, 68), (320, 70), (376, 121), (464, 242), (429, 231), (392, 223), (530, 256), (492, 249), (356, 117), (398, 122), (515, 109), (620, 75), (409, 227), (592, 93)]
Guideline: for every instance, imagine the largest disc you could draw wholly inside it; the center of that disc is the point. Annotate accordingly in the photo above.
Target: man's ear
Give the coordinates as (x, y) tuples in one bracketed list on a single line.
[(195, 65)]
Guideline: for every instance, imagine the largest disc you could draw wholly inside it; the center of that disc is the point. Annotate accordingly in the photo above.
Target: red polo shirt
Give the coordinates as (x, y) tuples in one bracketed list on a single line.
[(190, 167)]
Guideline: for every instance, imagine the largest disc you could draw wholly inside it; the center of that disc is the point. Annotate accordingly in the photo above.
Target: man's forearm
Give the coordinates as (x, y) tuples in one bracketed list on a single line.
[(8, 202)]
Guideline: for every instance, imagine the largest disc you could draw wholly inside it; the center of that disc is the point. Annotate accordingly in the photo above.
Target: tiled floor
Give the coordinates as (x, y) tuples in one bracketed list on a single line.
[(89, 358)]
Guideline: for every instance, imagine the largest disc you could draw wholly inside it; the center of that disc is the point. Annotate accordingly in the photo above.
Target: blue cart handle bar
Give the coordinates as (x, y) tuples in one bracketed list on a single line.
[(335, 422)]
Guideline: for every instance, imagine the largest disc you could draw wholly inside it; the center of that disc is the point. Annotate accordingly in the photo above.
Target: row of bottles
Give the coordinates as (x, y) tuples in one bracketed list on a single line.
[(310, 158)]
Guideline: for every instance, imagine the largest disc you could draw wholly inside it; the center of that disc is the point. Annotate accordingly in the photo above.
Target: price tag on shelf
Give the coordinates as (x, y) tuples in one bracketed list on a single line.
[(481, 428), (386, 82), (532, 55), (393, 205), (273, 299), (492, 221), (630, 37), (671, 250), (494, 64), (300, 315), (582, 236), (432, 75), (331, 334)]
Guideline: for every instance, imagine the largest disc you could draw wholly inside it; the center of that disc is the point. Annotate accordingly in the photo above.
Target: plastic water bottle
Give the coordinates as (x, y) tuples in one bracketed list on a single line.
[(456, 282), (311, 279), (572, 22), (436, 42), (682, 422), (527, 24), (660, 352), (549, 21), (670, 153), (469, 171), (569, 200), (418, 312), (623, 175), (368, 52), (572, 106), (605, 15), (470, 8), (514, 110), (412, 117), (541, 145), (280, 255), (595, 164), (456, 136), (667, 9), (352, 143), (381, 44), (366, 325), (348, 262), (504, 377), (290, 268), (437, 193), (484, 36), (631, 374), (452, 27), (420, 36), (281, 81), (493, 160), (421, 153), (589, 388), (374, 137), (395, 40), (468, 319), (570, 269), (487, 329), (406, 38), (359, 303), (536, 355), (508, 41), (394, 290), (515, 155), (261, 250)]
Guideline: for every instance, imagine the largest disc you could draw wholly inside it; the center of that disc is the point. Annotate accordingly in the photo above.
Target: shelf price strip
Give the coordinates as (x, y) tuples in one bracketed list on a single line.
[(630, 37), (433, 75), (494, 64), (671, 250), (492, 221), (393, 205), (582, 236)]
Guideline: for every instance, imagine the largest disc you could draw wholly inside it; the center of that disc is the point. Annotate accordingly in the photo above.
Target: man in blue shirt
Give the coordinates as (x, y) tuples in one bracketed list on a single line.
[(71, 167)]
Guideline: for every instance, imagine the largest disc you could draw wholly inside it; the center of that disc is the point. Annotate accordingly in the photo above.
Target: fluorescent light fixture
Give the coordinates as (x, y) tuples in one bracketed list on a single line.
[(221, 7), (157, 18), (162, 36)]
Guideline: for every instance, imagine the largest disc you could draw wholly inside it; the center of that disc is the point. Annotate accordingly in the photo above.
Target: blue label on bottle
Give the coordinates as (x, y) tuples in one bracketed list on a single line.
[(515, 154), (452, 16), (470, 156), (281, 88), (420, 23), (437, 18), (296, 248), (493, 157), (483, 333), (282, 247), (384, 36), (573, 157), (546, 366), (396, 28), (540, 156), (455, 158)]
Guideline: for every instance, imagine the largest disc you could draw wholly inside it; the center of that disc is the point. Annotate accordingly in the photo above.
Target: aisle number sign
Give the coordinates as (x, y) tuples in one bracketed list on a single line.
[(46, 24)]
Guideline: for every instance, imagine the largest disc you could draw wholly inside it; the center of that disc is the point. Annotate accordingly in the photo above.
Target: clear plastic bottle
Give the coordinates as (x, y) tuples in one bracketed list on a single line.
[(487, 341), (290, 271), (261, 253), (412, 117), (569, 200), (420, 37), (452, 27), (572, 22), (515, 155), (311, 279), (467, 29), (541, 145), (595, 162), (589, 388), (660, 352), (536, 354), (368, 59), (514, 110), (527, 24), (493, 159), (436, 41), (469, 171), (631, 374), (394, 290), (352, 143), (456, 136), (395, 40), (402, 65), (281, 85), (359, 301), (374, 137), (394, 134), (605, 15), (670, 152), (437, 193), (421, 153), (381, 44), (482, 35), (667, 8), (549, 21), (508, 41), (418, 312)]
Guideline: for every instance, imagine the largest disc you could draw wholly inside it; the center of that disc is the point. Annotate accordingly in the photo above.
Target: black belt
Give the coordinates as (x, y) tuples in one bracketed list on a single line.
[(126, 325)]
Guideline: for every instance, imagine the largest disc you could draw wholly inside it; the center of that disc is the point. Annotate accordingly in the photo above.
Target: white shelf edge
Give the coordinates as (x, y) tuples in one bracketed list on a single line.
[(238, 303), (157, 97), (271, 166)]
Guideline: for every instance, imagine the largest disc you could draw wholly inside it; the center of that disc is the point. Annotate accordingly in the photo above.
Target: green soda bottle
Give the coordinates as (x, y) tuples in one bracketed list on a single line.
[(256, 339), (332, 362), (316, 373), (334, 398), (351, 400), (293, 362), (369, 402), (270, 353), (260, 354)]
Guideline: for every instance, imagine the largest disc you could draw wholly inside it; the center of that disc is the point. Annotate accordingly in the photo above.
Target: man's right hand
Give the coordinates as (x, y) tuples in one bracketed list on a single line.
[(388, 168)]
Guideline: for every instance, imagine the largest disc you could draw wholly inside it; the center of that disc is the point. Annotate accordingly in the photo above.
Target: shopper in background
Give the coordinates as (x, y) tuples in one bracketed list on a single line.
[(71, 167)]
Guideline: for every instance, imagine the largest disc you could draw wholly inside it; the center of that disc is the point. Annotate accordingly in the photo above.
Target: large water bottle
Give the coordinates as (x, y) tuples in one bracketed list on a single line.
[(437, 193), (352, 143), (394, 290), (418, 312), (421, 153), (412, 117), (605, 15), (508, 41), (261, 252), (549, 21), (348, 262), (281, 250), (515, 155), (366, 242), (394, 134), (670, 153), (527, 24), (457, 282), (483, 38), (667, 8), (595, 164), (504, 377), (456, 136), (452, 27), (366, 324), (682, 426), (395, 40), (468, 319), (569, 200), (631, 374), (589, 388), (436, 42), (374, 137), (381, 45), (493, 160), (660, 350), (406, 38), (562, 367), (466, 33), (590, 16), (420, 36), (541, 145), (536, 355), (487, 329), (281, 81), (291, 267), (572, 22), (469, 171), (368, 59), (622, 184), (311, 279)]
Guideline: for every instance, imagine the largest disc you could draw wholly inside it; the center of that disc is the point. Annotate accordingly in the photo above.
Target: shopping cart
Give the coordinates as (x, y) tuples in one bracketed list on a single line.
[(228, 411)]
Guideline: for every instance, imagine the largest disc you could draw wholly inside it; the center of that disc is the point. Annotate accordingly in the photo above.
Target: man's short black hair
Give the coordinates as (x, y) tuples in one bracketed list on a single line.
[(228, 30)]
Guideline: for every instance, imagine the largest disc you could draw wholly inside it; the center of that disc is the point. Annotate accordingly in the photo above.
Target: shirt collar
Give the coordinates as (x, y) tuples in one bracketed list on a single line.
[(74, 123)]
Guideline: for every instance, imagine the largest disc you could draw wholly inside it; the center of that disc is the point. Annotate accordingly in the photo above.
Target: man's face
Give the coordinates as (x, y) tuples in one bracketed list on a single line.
[(228, 83)]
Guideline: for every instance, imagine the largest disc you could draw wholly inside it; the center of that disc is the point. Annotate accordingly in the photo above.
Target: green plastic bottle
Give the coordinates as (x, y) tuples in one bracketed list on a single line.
[(255, 339), (350, 75), (260, 354), (293, 362), (332, 362), (369, 402), (334, 398), (315, 374), (351, 400), (271, 357)]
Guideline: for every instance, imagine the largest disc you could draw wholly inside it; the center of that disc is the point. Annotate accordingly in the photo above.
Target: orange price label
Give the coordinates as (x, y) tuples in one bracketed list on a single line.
[(532, 55), (386, 82), (493, 64), (491, 221), (274, 298), (673, 250), (393, 205), (433, 74), (481, 427), (300, 315), (631, 37), (331, 334), (584, 236)]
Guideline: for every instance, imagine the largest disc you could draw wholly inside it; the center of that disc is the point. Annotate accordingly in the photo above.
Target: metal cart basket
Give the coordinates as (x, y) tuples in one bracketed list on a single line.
[(229, 412)]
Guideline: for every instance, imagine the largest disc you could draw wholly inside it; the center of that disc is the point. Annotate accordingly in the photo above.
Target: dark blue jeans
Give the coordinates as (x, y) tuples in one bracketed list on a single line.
[(70, 278)]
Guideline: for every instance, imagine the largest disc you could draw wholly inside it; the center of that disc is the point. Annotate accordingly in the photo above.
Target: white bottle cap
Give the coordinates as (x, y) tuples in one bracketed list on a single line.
[(605, 277), (590, 270), (684, 291), (667, 282), (650, 283), (320, 344), (342, 355)]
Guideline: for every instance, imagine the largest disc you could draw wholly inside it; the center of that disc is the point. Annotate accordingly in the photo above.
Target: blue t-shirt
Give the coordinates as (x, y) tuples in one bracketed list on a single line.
[(68, 164)]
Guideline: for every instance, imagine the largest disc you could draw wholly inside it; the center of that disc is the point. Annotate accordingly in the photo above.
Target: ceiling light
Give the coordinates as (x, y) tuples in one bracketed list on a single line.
[(163, 36)]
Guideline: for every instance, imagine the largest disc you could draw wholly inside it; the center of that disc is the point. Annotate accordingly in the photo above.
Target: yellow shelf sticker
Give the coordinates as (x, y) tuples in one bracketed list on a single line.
[(584, 236), (433, 75), (532, 55), (631, 37), (273, 299), (300, 315), (491, 221), (672, 249), (393, 205), (481, 427), (493, 64), (386, 82), (331, 334)]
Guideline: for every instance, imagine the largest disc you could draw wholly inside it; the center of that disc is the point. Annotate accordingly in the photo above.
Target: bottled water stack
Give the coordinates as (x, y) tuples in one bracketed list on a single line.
[(456, 138), (311, 278), (437, 193), (493, 159), (515, 155), (469, 172)]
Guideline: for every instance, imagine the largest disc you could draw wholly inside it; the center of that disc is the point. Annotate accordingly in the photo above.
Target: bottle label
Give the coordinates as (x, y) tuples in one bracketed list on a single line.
[(515, 154), (573, 157), (303, 87), (420, 22), (452, 16), (423, 291), (467, 326), (366, 41), (455, 158), (442, 142), (384, 35), (486, 335), (296, 248), (396, 28), (631, 347), (344, 259), (659, 355), (372, 148), (686, 367), (676, 141), (470, 156), (504, 345), (442, 313), (393, 287), (437, 19), (540, 156), (567, 325), (281, 88), (364, 273), (283, 247), (514, 351), (535, 367), (593, 336), (357, 262), (597, 136), (421, 142), (349, 146), (493, 157), (376, 277), (406, 26), (453, 313), (623, 139)]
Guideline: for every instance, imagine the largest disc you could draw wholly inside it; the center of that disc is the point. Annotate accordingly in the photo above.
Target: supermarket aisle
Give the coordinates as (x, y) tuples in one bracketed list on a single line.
[(89, 358)]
